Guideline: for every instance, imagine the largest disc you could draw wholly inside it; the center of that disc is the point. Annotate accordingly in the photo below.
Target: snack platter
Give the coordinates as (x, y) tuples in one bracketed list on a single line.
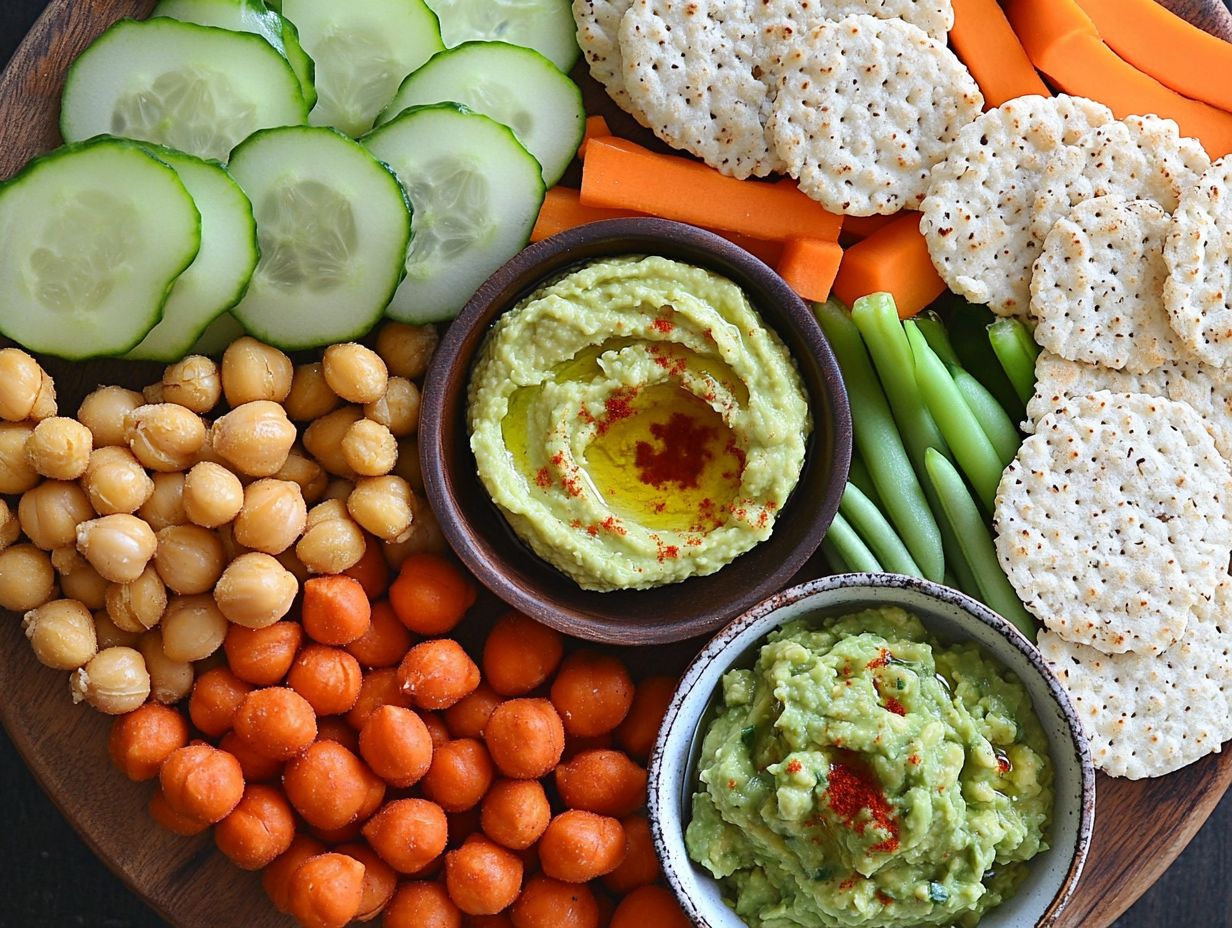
[(1140, 825)]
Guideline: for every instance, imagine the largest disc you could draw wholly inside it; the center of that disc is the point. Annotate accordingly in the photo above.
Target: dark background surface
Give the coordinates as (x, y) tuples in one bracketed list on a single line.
[(50, 879)]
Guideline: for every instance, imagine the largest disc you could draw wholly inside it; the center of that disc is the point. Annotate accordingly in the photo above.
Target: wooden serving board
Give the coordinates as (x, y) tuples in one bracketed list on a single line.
[(1140, 826)]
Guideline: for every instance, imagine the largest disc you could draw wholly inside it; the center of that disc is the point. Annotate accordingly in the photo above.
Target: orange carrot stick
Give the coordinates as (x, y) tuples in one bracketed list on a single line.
[(984, 41), (895, 260), (1063, 43), (623, 176), (596, 128), (1170, 49), (809, 266), (562, 210), (858, 228)]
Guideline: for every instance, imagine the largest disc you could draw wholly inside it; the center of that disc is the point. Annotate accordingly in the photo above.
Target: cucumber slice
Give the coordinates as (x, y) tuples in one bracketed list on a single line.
[(476, 193), (247, 16), (334, 227), (218, 335), (515, 86), (219, 276), (91, 238), (363, 50), (547, 26), (199, 89)]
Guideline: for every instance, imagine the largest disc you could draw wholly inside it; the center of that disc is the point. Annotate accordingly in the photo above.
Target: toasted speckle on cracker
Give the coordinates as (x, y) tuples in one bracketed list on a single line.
[(1113, 520), (865, 109), (1097, 288)]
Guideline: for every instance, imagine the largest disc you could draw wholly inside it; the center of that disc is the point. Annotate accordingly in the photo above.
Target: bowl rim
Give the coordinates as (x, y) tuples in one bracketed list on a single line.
[(541, 261), (661, 794)]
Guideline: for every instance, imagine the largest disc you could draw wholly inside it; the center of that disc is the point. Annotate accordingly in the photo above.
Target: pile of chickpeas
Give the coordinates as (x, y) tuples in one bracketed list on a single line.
[(153, 522)]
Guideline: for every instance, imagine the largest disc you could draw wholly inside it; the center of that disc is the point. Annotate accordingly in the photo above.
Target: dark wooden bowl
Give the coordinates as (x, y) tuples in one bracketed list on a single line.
[(480, 535)]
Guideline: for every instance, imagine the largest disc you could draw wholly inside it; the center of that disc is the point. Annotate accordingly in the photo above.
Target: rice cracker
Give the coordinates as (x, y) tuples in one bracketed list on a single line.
[(1112, 521), (598, 35), (1097, 288), (977, 215)]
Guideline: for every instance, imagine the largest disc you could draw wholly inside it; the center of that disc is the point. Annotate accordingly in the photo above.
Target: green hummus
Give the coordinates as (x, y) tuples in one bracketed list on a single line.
[(862, 773), (637, 423)]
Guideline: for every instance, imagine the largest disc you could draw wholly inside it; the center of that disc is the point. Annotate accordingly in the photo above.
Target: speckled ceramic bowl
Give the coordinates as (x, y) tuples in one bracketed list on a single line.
[(951, 616)]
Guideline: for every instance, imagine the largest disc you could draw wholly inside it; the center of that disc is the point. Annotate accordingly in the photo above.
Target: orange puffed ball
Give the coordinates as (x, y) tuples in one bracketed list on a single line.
[(520, 654), (409, 834), (468, 717), (606, 782), (437, 729), (256, 766), (580, 846), (396, 744), (422, 905), (482, 877), (379, 688), (431, 594), (276, 721), (436, 674), (336, 610), (548, 903), (330, 787), (641, 864), (515, 813), (592, 692), (640, 729), (650, 905), (141, 740), (277, 876), (460, 774), (329, 678), (334, 728), (385, 642), (262, 656), (258, 830), (525, 737), (326, 891), (202, 782), (380, 881), (216, 697), (175, 822)]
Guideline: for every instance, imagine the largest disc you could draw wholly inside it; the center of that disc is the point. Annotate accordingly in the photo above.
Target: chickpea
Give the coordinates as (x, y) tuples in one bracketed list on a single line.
[(193, 628), (45, 405), (153, 394), (116, 482), (310, 397), (115, 681), (138, 605), (369, 448), (406, 349), (193, 383), (21, 378), (50, 513), (61, 633), (425, 538), (292, 563), (118, 546), (170, 680), (305, 472), (384, 506), (17, 474), (10, 527), (110, 635), (230, 547), (323, 439), (213, 495), (165, 506), (78, 580), (255, 590), (355, 373), (332, 541), (103, 412), (338, 489), (189, 558), (255, 438), (273, 516), (26, 578), (60, 448), (207, 452), (398, 409), (408, 467), (252, 370), (165, 437)]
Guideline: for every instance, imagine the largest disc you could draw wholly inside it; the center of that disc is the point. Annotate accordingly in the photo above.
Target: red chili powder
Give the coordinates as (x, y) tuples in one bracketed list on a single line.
[(543, 478), (852, 791), (893, 705), (683, 456), (663, 325)]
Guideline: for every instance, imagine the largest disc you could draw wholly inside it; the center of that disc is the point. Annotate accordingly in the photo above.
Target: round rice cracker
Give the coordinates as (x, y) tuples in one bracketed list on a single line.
[(977, 215), (696, 71), (1198, 254), (1139, 157), (865, 107), (1097, 288), (1146, 715), (1112, 521), (598, 35)]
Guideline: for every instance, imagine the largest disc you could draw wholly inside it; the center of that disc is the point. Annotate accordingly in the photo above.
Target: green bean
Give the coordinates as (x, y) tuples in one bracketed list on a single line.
[(972, 449), (960, 510), (859, 475), (880, 445), (833, 558), (853, 552), (998, 426), (1017, 351), (933, 330), (877, 319), (968, 329), (877, 533)]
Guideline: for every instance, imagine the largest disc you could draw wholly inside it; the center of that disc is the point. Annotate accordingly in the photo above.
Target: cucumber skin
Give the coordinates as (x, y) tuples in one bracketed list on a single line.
[(34, 165)]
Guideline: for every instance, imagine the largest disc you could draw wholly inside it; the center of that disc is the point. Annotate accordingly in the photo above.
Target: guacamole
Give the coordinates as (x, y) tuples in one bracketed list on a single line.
[(863, 773)]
